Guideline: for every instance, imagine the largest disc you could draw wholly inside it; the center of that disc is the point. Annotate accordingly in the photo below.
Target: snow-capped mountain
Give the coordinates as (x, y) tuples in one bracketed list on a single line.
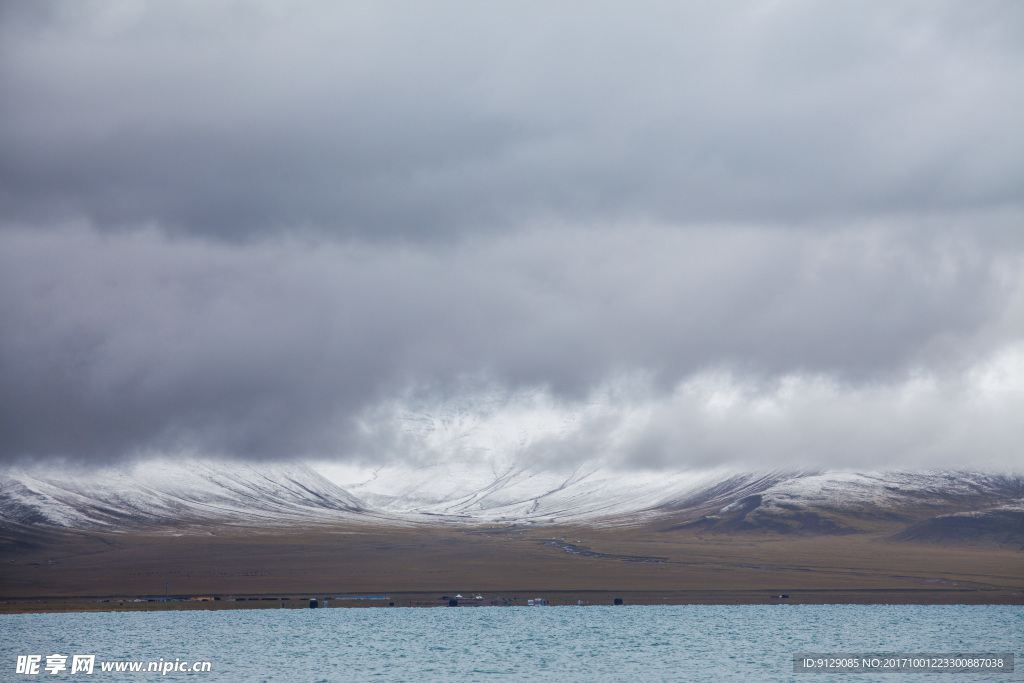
[(178, 492), (507, 493), (718, 498), (924, 505), (483, 462), (848, 502), (488, 459)]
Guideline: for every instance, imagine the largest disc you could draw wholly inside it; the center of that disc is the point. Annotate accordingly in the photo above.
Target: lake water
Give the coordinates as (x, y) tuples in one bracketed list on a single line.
[(662, 643)]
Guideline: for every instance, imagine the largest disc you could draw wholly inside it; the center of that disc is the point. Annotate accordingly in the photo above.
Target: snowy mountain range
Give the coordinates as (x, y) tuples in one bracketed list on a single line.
[(591, 493), (475, 462), (187, 493)]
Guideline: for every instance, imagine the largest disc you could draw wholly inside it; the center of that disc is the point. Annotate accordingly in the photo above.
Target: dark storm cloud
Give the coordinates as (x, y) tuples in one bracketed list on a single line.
[(127, 342), (231, 119), (254, 229)]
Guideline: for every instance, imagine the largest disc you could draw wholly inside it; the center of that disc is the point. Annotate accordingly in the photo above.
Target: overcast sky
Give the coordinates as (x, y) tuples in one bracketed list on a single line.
[(702, 233)]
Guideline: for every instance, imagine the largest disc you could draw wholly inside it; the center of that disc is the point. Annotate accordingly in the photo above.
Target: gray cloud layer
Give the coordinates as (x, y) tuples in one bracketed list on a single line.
[(243, 228), (405, 119), (137, 340)]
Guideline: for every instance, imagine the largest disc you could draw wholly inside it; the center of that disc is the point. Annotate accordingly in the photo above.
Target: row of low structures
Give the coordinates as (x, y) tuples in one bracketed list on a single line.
[(474, 600), (532, 602)]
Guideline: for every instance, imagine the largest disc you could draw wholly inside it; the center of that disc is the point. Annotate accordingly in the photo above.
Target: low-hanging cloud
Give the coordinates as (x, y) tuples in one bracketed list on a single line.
[(117, 344), (715, 418)]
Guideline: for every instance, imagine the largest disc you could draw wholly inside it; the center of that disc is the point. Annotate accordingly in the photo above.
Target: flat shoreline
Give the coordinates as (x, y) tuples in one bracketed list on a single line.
[(514, 598)]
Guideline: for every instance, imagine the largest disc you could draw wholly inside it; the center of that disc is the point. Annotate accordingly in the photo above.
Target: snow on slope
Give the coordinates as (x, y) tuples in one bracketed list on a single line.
[(485, 458), (476, 492), (461, 492), (848, 502), (892, 489), (464, 461), (477, 461), (162, 491)]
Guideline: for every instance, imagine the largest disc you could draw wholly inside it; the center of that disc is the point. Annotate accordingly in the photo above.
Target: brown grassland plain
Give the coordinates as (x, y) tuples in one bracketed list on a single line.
[(417, 566)]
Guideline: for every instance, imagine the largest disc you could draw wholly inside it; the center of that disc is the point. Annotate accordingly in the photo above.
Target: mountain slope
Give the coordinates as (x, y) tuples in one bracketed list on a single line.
[(848, 502), (517, 495), (720, 500), (185, 492)]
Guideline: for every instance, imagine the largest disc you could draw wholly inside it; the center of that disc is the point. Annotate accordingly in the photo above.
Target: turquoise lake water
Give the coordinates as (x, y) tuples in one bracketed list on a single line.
[(662, 643)]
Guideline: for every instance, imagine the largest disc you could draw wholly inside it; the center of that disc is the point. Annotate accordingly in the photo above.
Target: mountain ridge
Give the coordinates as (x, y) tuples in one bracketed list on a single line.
[(162, 492), (922, 505)]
